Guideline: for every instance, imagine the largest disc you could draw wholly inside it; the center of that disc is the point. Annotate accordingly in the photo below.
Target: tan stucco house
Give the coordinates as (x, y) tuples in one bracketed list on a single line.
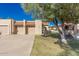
[(9, 26)]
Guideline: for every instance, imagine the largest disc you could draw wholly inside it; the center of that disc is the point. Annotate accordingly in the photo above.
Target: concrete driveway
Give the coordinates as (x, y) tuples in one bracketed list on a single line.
[(16, 45)]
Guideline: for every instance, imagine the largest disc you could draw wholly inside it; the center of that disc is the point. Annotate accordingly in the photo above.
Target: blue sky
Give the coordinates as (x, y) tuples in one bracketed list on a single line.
[(14, 11), (52, 23)]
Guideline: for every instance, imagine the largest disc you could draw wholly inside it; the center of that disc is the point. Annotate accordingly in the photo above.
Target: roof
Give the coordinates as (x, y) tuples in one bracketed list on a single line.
[(28, 23)]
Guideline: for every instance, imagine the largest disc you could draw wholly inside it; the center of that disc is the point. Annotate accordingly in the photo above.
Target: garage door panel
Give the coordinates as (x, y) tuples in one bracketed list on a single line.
[(4, 29)]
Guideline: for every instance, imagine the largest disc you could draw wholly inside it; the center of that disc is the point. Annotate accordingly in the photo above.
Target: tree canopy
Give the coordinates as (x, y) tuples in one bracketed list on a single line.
[(68, 11)]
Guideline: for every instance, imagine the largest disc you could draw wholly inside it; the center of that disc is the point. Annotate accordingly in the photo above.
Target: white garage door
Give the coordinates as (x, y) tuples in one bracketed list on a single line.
[(4, 29)]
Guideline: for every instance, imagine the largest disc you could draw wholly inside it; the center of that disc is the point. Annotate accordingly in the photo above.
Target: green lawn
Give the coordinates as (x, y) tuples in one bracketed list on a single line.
[(45, 46)]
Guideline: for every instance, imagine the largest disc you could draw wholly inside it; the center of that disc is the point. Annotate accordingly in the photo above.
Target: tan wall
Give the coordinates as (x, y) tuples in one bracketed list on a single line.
[(20, 30), (38, 27), (27, 30), (10, 28), (6, 26), (31, 30), (4, 29)]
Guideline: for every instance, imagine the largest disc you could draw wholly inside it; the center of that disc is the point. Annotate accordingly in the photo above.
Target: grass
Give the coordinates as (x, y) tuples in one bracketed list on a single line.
[(45, 46)]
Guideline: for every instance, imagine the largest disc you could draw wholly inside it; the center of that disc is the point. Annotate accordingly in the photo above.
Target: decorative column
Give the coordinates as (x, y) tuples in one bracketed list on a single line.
[(38, 27), (24, 26)]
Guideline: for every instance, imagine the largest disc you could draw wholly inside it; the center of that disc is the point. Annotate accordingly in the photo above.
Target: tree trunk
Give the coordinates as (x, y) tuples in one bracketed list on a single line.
[(63, 39), (62, 34)]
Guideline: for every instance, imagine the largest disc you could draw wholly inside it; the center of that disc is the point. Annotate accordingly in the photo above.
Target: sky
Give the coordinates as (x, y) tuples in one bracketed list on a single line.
[(52, 23), (14, 11)]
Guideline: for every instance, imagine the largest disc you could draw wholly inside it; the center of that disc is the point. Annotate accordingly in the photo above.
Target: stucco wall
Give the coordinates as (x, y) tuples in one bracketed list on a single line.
[(24, 29), (20, 30), (38, 27), (31, 30), (5, 26)]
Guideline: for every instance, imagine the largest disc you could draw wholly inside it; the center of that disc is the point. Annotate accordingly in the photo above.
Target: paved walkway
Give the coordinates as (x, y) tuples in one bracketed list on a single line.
[(16, 45)]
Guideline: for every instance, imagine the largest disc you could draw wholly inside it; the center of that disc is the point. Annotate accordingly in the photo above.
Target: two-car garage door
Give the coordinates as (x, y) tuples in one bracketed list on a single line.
[(4, 29)]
